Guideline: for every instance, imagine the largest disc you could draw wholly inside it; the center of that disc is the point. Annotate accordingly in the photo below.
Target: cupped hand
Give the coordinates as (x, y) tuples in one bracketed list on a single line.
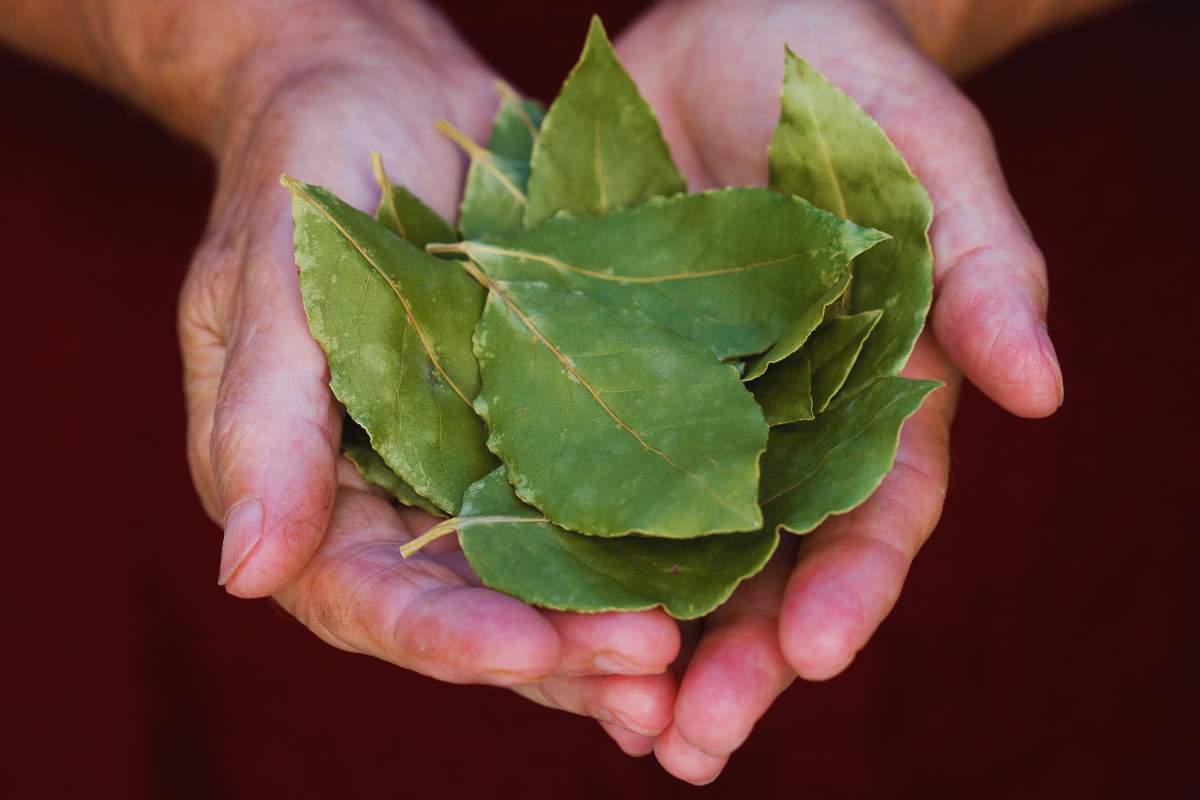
[(264, 430), (711, 70)]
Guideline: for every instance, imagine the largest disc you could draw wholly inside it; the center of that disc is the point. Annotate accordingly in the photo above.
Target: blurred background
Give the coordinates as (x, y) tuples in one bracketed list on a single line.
[(1046, 644)]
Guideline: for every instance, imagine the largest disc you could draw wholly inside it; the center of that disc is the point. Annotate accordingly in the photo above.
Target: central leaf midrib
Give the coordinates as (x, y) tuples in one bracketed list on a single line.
[(570, 367), (551, 261), (408, 312)]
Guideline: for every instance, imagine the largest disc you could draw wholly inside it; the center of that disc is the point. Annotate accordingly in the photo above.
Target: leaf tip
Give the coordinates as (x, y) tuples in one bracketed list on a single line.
[(377, 169)]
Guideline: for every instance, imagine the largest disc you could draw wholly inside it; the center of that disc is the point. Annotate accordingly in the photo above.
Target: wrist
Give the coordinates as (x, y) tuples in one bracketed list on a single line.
[(206, 69)]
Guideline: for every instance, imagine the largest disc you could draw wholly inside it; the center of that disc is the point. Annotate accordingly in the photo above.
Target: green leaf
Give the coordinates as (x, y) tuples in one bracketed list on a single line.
[(832, 352), (730, 268), (356, 446), (600, 146), (515, 126), (832, 464), (806, 319), (395, 324), (609, 424), (493, 199), (786, 391), (515, 550), (827, 149), (404, 214)]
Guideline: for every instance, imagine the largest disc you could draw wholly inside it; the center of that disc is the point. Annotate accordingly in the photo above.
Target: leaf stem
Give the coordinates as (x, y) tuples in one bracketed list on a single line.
[(433, 534)]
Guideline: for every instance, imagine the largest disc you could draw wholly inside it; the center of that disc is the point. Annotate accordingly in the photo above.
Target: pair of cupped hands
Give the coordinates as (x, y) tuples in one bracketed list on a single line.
[(302, 527)]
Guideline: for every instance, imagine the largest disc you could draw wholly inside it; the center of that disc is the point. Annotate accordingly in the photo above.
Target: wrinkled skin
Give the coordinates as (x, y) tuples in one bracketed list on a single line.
[(303, 528)]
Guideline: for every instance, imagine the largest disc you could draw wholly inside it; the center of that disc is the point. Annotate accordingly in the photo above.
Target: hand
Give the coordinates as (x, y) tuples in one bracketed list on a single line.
[(264, 430), (711, 70)]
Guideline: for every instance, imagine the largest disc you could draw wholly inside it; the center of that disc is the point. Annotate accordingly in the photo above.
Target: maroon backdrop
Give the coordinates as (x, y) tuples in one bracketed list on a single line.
[(1045, 645)]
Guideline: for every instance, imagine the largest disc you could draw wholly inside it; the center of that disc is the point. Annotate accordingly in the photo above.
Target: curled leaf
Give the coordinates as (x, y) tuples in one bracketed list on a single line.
[(830, 465), (514, 549)]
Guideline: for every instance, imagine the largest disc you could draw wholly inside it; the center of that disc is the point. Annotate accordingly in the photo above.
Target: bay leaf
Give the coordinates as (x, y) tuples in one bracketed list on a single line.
[(827, 149), (600, 146), (729, 268), (515, 126), (515, 550), (395, 324), (609, 424), (834, 463), (785, 393), (356, 446), (493, 200), (806, 319), (404, 214), (833, 350)]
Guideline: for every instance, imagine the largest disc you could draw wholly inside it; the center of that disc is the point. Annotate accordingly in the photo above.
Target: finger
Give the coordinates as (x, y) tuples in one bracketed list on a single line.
[(850, 570), (991, 286), (616, 643), (631, 744), (358, 593), (275, 431), (738, 669), (686, 762), (640, 704)]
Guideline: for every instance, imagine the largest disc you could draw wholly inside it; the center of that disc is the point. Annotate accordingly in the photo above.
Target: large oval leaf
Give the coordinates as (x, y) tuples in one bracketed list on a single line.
[(730, 268), (827, 149), (609, 424), (600, 146), (515, 550), (830, 465), (395, 324)]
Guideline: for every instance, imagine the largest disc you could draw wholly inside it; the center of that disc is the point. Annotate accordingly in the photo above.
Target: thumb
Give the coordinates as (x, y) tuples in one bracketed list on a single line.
[(275, 432), (991, 290)]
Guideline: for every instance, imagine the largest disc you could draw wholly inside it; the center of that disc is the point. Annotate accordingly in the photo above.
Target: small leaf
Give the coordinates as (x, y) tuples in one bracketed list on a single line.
[(395, 325), (515, 126), (356, 446), (832, 352), (609, 424), (493, 199), (600, 146), (832, 464), (403, 213), (730, 268), (827, 149), (513, 549), (807, 317), (786, 391)]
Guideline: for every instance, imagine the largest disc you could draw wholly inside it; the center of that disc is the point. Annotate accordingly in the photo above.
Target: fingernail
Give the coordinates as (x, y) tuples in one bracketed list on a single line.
[(613, 664), (243, 529), (1051, 356), (625, 722)]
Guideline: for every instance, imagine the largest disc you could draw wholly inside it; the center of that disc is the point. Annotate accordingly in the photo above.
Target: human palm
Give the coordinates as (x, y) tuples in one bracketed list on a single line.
[(264, 429), (711, 70)]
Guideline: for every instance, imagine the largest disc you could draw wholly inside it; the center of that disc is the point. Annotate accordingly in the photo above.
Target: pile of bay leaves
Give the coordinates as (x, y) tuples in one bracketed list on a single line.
[(620, 391)]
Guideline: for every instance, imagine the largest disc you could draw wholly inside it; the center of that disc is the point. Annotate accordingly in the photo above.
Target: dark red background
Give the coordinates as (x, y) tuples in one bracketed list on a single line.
[(1045, 645)]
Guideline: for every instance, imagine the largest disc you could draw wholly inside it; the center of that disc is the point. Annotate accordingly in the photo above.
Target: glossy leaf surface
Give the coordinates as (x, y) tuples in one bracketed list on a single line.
[(827, 149), (729, 268), (830, 465), (609, 424), (395, 324), (515, 550), (600, 146)]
